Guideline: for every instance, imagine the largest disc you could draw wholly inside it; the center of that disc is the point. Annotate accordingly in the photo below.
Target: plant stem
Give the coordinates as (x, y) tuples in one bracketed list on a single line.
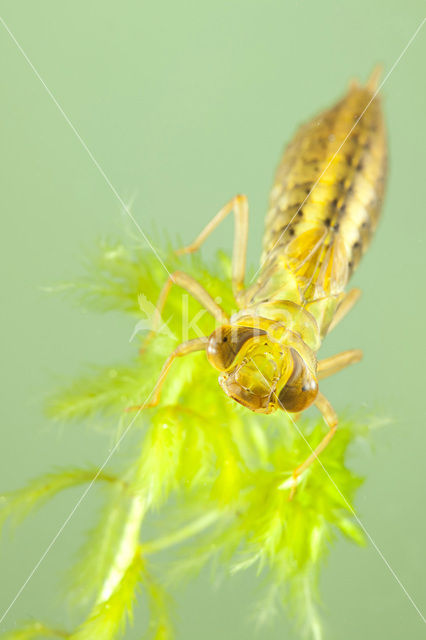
[(127, 546), (180, 535)]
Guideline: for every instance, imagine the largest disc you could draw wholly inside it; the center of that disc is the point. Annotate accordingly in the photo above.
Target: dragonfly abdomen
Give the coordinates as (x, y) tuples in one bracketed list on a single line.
[(326, 198)]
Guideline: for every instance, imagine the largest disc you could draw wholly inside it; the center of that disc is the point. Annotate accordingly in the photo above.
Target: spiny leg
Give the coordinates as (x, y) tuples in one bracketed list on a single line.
[(334, 364), (239, 205), (198, 344), (344, 307), (194, 288), (330, 417), (326, 367)]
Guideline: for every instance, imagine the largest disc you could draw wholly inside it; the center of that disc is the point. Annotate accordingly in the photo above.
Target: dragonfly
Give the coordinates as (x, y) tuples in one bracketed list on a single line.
[(323, 210)]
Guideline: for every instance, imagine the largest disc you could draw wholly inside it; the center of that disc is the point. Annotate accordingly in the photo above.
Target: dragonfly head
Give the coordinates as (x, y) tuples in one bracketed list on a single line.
[(258, 371)]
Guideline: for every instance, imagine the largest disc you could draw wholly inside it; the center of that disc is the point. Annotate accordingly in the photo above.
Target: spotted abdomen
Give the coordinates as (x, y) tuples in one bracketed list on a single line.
[(327, 195)]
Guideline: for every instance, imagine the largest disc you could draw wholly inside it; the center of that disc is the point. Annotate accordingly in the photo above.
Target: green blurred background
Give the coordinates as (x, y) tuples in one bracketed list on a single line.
[(184, 104)]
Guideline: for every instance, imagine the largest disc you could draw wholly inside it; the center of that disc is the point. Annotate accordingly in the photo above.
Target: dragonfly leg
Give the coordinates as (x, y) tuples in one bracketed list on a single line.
[(193, 287), (330, 417), (344, 307), (198, 344), (336, 363), (239, 205)]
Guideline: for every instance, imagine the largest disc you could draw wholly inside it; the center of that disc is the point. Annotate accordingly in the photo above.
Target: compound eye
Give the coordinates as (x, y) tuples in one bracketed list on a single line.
[(301, 388), (225, 343)]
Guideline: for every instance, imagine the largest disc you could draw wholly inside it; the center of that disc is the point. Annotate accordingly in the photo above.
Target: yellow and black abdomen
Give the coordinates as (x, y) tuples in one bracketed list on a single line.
[(326, 199)]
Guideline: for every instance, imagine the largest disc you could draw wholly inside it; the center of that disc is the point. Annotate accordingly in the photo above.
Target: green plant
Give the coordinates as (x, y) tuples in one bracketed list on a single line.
[(209, 470)]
